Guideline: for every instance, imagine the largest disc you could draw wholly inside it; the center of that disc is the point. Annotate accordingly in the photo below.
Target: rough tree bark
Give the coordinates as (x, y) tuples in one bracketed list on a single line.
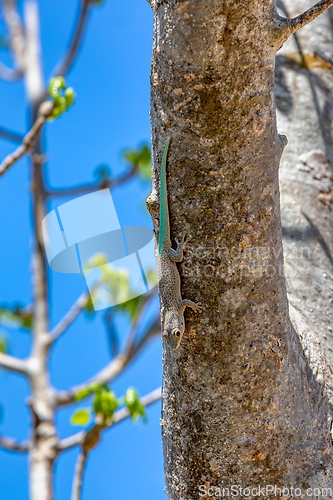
[(247, 398)]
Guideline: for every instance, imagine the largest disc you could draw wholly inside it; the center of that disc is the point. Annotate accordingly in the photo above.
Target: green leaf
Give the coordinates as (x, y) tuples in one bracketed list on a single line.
[(135, 407), (105, 403), (16, 316), (81, 417), (131, 306), (62, 97), (86, 392), (3, 345), (141, 159), (89, 308)]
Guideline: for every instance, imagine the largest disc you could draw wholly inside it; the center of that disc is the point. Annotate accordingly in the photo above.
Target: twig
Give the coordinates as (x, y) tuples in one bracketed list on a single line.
[(45, 111), (64, 67), (80, 437), (288, 26), (70, 317), (16, 40), (13, 445), (112, 334), (88, 188), (78, 475), (13, 364), (110, 371), (136, 321), (10, 135), (9, 74)]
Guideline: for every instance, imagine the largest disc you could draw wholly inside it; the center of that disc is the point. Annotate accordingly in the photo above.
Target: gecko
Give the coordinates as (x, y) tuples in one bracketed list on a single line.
[(169, 286)]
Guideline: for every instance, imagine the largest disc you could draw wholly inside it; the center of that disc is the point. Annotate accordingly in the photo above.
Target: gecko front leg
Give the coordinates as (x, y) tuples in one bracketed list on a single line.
[(178, 254)]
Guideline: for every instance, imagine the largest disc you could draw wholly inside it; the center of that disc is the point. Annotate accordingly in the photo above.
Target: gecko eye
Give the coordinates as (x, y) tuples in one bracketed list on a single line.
[(177, 333)]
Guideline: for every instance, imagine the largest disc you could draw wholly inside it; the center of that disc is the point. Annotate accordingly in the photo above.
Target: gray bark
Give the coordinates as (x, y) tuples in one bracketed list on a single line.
[(44, 438), (247, 398)]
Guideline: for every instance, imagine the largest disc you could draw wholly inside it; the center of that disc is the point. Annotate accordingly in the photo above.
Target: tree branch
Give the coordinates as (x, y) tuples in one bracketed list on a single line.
[(13, 445), (287, 27), (16, 40), (10, 135), (63, 67), (13, 364), (88, 188), (80, 438), (70, 317), (9, 74), (45, 111), (111, 370), (78, 475)]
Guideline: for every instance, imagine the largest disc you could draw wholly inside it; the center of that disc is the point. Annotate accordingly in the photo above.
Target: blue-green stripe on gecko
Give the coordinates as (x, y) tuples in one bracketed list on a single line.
[(169, 286), (164, 212)]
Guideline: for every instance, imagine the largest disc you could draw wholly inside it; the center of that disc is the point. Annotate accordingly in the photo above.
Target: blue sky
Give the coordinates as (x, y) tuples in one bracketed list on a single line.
[(111, 113)]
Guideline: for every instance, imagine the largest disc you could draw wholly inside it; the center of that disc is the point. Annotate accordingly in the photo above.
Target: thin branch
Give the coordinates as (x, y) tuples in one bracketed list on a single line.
[(137, 318), (154, 329), (14, 445), (13, 364), (110, 371), (10, 135), (287, 27), (70, 317), (45, 111), (16, 39), (112, 334), (78, 475), (89, 188), (9, 74), (80, 438), (64, 67)]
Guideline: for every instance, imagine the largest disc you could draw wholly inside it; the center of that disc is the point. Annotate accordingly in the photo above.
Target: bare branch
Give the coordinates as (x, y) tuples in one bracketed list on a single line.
[(16, 39), (64, 67), (78, 475), (10, 135), (287, 27), (111, 370), (89, 188), (9, 74), (16, 33), (70, 317), (154, 329), (80, 438), (13, 445), (45, 111), (13, 364), (108, 373)]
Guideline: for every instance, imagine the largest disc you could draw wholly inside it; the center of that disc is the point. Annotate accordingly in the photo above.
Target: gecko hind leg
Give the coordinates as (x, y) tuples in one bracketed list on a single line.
[(198, 307)]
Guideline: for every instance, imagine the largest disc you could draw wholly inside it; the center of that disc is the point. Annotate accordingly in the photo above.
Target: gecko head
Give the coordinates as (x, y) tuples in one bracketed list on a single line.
[(174, 328)]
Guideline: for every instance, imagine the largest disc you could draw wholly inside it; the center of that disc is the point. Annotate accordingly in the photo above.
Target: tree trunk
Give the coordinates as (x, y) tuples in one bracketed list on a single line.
[(43, 451), (242, 405)]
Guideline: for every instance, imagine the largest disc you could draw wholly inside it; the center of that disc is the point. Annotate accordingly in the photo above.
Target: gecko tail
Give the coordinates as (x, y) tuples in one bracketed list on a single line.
[(164, 212)]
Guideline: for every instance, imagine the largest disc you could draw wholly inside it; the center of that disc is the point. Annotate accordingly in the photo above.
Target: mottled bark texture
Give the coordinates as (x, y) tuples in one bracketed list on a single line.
[(242, 403)]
